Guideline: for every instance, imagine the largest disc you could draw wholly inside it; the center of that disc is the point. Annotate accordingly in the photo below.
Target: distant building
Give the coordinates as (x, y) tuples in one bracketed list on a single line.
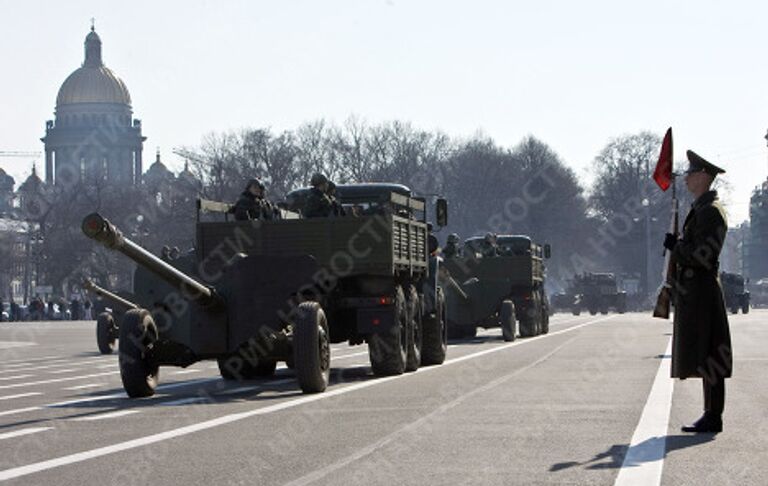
[(756, 250), (94, 136)]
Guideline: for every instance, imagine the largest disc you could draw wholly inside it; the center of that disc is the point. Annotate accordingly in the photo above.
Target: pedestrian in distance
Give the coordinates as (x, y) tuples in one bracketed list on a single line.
[(701, 342)]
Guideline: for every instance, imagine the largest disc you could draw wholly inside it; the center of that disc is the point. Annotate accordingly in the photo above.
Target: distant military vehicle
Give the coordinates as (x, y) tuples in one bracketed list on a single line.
[(109, 308), (736, 295), (257, 292), (598, 292), (759, 293), (497, 291)]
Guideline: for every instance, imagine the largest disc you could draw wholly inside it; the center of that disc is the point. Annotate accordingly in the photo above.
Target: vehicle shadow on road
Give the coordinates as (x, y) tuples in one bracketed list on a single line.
[(650, 450)]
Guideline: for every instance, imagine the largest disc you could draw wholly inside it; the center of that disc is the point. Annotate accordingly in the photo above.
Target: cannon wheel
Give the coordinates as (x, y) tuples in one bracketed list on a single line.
[(106, 332), (435, 334), (415, 337), (507, 318), (388, 350), (137, 332), (311, 348)]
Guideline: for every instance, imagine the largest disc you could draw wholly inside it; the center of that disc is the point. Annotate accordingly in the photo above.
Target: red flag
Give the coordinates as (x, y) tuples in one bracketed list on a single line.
[(663, 172)]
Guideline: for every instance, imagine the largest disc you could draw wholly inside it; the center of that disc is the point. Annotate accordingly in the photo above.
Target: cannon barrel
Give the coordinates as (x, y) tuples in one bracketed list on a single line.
[(98, 228), (106, 294)]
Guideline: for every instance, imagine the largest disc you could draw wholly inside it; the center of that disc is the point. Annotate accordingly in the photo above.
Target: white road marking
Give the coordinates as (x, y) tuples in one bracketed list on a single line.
[(15, 344), (19, 433), (27, 360), (186, 372), (66, 370), (21, 395), (16, 377), (28, 469), (103, 416), (83, 387), (241, 389), (58, 380), (56, 365), (644, 460)]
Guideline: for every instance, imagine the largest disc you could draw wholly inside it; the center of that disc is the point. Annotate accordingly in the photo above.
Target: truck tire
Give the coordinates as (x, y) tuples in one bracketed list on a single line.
[(435, 336), (734, 310), (507, 318), (137, 332), (311, 348), (592, 312), (576, 311), (415, 336), (388, 350), (106, 332), (745, 307), (545, 322)]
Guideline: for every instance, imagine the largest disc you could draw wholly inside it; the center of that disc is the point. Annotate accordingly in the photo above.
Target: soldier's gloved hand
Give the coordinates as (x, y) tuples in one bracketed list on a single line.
[(670, 241)]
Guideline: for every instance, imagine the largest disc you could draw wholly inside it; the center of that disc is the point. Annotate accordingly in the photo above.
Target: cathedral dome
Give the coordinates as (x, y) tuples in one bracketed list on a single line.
[(93, 82)]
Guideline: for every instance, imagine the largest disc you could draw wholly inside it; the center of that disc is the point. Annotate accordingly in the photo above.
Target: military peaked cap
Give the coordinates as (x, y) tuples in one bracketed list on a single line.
[(697, 163)]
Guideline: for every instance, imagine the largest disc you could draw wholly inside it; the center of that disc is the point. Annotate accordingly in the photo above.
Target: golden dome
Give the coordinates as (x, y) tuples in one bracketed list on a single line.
[(93, 82)]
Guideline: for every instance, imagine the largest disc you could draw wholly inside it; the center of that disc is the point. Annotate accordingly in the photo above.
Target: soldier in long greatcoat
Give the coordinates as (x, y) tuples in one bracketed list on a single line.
[(701, 343)]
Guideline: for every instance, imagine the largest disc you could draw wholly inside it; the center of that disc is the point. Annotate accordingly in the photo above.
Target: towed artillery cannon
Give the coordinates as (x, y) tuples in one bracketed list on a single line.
[(245, 311), (107, 320)]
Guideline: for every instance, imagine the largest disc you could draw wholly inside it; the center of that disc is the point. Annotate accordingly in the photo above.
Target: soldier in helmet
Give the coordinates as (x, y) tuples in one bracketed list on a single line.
[(451, 248), (336, 208), (318, 204), (489, 248), (252, 204)]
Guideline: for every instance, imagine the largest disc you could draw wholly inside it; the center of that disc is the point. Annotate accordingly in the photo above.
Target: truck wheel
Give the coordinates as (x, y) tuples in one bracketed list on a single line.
[(745, 308), (507, 318), (311, 348), (137, 333), (592, 312), (435, 344), (388, 350), (734, 310), (545, 322), (106, 333), (604, 311), (576, 311), (415, 337)]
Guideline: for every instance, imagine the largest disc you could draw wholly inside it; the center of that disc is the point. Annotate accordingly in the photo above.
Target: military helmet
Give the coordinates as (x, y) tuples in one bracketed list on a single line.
[(490, 237), (255, 182), (317, 179), (453, 238)]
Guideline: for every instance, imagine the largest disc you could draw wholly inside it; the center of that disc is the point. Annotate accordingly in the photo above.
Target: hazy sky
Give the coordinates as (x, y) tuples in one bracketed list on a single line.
[(572, 73)]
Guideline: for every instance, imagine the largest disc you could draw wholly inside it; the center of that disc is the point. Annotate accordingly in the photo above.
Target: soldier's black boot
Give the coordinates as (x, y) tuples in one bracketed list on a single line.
[(709, 423)]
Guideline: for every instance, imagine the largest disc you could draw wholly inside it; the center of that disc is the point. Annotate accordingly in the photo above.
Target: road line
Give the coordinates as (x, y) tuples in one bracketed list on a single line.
[(17, 377), (87, 362), (55, 372), (83, 387), (15, 344), (103, 416), (186, 372), (19, 433), (644, 460), (29, 360), (58, 380), (28, 469), (21, 395)]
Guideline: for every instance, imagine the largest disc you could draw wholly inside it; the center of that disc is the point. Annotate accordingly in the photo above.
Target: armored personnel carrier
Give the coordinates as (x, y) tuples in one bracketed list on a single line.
[(257, 292), (735, 292), (499, 288)]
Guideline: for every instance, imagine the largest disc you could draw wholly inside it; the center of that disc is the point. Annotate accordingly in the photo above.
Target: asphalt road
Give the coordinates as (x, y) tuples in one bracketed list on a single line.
[(571, 407)]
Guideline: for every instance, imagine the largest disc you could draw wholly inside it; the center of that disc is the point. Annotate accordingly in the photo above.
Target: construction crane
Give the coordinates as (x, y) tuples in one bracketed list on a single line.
[(18, 153)]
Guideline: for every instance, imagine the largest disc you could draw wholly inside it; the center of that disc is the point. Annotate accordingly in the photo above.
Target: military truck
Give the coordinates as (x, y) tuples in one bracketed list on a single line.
[(736, 295), (758, 296), (497, 291), (598, 292), (257, 292)]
